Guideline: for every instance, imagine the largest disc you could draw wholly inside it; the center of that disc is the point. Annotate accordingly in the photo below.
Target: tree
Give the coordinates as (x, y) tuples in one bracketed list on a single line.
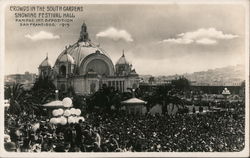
[(15, 94), (42, 92), (29, 101), (151, 80), (79, 101), (242, 88), (105, 97), (243, 84), (116, 100), (181, 84), (44, 83)]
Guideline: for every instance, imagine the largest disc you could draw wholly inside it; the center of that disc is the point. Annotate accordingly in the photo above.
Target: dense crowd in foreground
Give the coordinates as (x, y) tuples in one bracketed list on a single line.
[(119, 132)]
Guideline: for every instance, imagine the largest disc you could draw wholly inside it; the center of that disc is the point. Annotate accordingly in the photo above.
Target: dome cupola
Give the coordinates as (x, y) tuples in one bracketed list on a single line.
[(66, 58), (44, 68), (123, 68), (83, 56), (82, 48), (45, 62), (84, 36), (122, 60)]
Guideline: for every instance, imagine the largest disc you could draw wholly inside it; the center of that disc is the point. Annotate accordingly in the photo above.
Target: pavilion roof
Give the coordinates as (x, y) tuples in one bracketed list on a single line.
[(133, 101), (56, 103)]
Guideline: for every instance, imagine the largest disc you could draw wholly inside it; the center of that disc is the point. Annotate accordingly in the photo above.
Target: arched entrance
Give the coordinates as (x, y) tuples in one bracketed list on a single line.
[(92, 88), (62, 71)]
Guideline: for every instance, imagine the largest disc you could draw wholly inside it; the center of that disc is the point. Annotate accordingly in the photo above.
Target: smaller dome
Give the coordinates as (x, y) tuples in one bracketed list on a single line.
[(45, 63), (122, 60), (133, 72), (66, 58)]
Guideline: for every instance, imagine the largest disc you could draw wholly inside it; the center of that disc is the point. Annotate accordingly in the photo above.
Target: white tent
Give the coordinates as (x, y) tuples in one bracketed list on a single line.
[(134, 101), (134, 105), (54, 104)]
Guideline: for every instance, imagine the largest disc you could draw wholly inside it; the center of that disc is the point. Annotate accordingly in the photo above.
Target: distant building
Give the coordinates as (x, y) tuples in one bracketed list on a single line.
[(27, 79), (86, 67)]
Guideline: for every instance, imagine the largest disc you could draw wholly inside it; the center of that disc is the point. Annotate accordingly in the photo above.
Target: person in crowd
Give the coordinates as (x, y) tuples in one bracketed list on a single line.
[(221, 131), (10, 146)]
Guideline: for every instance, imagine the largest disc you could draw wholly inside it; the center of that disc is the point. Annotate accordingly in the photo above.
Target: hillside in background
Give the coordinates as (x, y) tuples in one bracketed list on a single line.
[(225, 76)]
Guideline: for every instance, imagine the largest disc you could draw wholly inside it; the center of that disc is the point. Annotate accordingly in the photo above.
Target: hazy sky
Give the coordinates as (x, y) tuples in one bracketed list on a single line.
[(157, 39)]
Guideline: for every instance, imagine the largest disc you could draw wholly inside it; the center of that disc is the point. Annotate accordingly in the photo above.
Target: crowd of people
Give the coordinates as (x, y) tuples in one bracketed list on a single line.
[(120, 132)]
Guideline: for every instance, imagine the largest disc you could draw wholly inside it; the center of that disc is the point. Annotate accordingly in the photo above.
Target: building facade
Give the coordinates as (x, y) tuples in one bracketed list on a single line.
[(86, 67)]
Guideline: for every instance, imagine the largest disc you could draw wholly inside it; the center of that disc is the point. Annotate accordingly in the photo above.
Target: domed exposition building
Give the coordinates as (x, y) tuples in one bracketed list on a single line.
[(86, 67)]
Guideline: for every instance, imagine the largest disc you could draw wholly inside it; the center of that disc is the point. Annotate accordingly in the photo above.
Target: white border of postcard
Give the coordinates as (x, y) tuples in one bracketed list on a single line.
[(244, 153)]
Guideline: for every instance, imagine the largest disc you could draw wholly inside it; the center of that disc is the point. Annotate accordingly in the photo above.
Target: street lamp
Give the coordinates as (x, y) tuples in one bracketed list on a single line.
[(133, 93), (226, 93), (56, 91)]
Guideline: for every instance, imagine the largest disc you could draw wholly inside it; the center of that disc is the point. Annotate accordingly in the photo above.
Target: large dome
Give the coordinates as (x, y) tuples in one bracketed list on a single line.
[(83, 54), (82, 48)]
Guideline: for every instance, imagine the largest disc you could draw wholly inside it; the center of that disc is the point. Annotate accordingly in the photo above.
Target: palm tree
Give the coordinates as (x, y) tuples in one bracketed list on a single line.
[(29, 101), (181, 84), (116, 100), (16, 96), (44, 83), (43, 90)]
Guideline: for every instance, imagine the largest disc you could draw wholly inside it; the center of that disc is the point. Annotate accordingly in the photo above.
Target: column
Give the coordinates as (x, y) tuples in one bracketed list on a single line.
[(117, 85), (120, 85)]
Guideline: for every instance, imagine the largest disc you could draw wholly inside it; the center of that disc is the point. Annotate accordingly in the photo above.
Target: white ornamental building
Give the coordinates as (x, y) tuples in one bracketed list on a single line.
[(86, 67)]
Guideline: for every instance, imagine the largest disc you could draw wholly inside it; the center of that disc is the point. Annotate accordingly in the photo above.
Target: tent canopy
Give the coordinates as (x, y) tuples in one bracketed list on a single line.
[(133, 101), (54, 104)]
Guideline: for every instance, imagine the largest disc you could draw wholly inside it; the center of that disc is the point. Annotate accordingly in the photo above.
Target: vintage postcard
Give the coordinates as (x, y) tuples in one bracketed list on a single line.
[(124, 79)]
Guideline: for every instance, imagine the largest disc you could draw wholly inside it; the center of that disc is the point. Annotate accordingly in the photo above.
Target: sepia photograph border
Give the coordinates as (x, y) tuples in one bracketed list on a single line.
[(244, 153)]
